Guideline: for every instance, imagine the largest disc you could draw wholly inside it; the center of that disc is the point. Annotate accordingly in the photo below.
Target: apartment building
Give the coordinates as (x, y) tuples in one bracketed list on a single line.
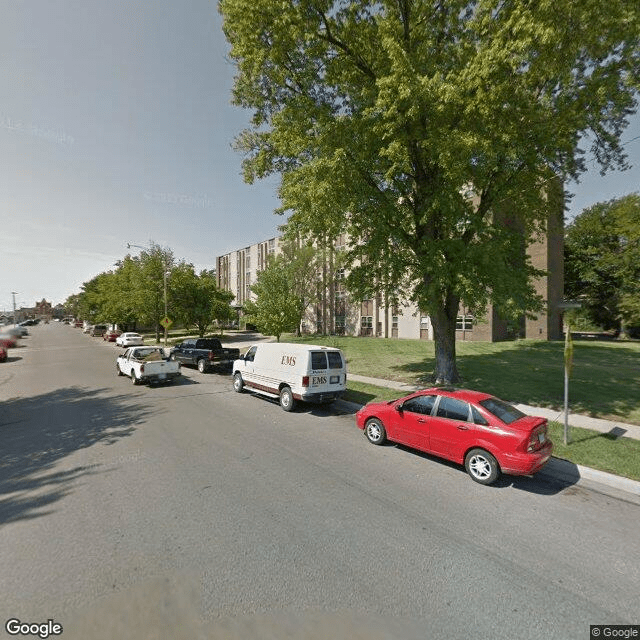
[(335, 312)]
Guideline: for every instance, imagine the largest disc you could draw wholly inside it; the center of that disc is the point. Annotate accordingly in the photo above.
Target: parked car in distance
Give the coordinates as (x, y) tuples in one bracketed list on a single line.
[(16, 332), (292, 372), (77, 324), (129, 339), (147, 364), (98, 330), (3, 354), (8, 341), (87, 328), (487, 435), (110, 335), (205, 353)]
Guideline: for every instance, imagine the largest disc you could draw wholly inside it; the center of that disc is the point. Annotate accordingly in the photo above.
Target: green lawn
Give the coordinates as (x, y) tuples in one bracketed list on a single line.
[(605, 380)]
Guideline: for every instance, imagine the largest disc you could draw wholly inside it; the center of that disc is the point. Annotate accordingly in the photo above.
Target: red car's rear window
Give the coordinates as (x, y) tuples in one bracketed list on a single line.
[(502, 410)]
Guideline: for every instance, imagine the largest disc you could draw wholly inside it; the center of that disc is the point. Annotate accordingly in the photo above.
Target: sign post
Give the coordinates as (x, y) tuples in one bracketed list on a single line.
[(568, 361), (166, 323)]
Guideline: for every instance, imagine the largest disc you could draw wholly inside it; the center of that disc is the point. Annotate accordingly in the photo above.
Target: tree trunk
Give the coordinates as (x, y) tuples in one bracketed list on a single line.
[(443, 320)]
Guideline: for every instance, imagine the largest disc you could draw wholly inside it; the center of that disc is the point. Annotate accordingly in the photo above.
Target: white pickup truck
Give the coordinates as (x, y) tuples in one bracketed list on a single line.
[(147, 364)]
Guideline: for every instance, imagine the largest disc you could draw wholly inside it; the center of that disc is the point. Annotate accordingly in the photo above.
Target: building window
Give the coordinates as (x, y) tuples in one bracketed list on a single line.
[(366, 326), (247, 262), (394, 322), (464, 323), (366, 308)]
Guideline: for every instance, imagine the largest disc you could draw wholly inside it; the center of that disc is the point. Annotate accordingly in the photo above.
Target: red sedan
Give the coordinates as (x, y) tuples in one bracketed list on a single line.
[(487, 435), (110, 335)]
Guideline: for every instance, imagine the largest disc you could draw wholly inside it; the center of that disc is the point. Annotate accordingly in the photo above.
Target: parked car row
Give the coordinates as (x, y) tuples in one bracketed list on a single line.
[(486, 435), (10, 334)]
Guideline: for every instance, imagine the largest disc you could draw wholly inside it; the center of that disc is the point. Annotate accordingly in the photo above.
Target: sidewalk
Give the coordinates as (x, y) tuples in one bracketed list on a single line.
[(556, 468), (616, 428)]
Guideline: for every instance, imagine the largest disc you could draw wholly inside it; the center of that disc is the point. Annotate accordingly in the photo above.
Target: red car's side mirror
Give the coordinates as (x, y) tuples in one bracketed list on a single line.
[(399, 407)]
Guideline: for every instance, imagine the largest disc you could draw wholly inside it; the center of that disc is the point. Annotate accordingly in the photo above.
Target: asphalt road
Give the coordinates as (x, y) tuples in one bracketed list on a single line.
[(192, 511)]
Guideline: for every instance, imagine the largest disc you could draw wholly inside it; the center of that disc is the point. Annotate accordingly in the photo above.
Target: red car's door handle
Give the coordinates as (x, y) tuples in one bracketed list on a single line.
[(461, 427), (421, 420)]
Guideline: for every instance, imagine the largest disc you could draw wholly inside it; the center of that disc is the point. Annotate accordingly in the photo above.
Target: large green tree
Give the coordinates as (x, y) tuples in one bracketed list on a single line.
[(602, 262), (434, 133)]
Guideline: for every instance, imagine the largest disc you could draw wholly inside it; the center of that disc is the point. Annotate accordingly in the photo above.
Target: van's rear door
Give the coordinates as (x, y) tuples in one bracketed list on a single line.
[(327, 372)]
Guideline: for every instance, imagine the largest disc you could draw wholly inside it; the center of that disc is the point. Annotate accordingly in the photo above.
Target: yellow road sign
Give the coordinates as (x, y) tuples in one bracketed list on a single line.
[(166, 322)]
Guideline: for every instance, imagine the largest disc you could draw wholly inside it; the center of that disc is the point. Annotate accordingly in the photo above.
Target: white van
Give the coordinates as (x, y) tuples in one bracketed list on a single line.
[(292, 372)]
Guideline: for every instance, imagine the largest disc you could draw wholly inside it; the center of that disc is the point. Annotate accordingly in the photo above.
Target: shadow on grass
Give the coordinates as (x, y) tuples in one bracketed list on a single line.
[(358, 397), (40, 431), (601, 383)]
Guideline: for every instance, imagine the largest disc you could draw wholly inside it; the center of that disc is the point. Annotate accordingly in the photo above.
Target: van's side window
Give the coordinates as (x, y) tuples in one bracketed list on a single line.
[(251, 354), (318, 360), (335, 360)]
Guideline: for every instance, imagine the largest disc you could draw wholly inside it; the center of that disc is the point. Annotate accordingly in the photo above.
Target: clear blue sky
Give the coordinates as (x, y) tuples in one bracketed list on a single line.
[(116, 126)]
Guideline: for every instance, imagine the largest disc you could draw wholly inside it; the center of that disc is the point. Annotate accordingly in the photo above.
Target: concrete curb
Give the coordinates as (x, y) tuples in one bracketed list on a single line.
[(557, 468)]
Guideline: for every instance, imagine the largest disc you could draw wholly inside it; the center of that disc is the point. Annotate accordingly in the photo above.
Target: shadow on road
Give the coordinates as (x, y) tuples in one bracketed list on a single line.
[(544, 484), (36, 433)]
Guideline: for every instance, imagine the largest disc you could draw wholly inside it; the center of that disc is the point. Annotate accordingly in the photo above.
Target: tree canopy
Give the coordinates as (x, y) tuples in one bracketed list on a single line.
[(436, 134), (135, 293), (276, 308), (602, 262)]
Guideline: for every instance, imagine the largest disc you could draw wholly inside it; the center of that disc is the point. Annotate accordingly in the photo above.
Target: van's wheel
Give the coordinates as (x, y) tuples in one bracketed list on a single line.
[(482, 466), (118, 370), (202, 366), (287, 401), (134, 380), (238, 382)]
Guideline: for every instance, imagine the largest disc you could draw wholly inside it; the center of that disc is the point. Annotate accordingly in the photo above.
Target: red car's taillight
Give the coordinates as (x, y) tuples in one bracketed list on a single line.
[(537, 438), (305, 381)]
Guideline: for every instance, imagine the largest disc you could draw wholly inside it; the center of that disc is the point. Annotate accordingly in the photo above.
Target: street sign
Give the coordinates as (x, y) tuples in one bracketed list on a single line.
[(166, 322)]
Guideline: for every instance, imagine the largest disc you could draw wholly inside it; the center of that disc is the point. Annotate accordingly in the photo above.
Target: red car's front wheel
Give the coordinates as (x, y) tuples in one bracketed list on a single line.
[(375, 431)]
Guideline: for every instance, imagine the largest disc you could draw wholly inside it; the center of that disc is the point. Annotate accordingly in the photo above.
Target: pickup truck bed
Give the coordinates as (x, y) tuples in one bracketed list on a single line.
[(147, 364)]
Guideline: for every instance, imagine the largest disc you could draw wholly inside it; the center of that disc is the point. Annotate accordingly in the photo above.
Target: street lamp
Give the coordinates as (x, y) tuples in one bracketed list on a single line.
[(164, 277)]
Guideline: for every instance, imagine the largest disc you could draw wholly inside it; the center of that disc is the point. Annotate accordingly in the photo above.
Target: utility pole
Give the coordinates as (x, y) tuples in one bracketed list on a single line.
[(14, 294)]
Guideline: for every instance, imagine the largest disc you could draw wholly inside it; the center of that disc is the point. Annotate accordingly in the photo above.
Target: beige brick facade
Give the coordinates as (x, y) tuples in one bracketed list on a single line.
[(336, 313)]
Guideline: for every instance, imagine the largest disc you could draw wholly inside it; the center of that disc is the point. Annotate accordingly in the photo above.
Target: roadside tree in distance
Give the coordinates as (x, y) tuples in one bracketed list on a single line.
[(602, 262)]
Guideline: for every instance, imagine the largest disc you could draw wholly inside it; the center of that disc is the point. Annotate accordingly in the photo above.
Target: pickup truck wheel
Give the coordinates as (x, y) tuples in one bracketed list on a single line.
[(287, 401), (238, 382), (202, 366), (134, 380), (118, 370)]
